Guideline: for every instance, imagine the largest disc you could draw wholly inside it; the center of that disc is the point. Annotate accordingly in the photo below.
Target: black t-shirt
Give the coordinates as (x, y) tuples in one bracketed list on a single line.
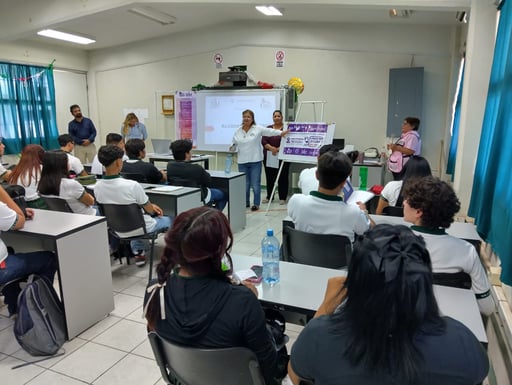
[(152, 174), (189, 175), (452, 358), (205, 312)]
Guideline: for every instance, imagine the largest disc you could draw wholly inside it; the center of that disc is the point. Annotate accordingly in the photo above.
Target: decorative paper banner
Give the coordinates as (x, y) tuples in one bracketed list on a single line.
[(49, 68)]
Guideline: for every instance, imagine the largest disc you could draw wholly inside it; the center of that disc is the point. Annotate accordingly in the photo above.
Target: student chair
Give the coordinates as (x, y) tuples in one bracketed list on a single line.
[(181, 365), (324, 250), (129, 219), (393, 211), (459, 280), (55, 203), (134, 176)]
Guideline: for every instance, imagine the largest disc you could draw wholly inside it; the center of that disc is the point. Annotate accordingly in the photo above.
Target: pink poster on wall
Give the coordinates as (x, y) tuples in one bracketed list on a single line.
[(185, 117)]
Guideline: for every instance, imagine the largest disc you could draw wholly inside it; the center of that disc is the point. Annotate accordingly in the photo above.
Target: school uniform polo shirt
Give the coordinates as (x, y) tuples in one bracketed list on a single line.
[(319, 213), (452, 255)]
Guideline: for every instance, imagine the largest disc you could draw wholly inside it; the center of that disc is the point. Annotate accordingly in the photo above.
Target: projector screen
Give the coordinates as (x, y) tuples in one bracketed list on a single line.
[(218, 114)]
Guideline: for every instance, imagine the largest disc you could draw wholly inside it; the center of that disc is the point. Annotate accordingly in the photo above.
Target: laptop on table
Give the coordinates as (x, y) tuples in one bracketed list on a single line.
[(161, 146), (352, 196)]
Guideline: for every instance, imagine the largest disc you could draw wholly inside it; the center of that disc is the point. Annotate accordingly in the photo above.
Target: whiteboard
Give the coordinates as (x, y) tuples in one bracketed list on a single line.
[(303, 141), (211, 117)]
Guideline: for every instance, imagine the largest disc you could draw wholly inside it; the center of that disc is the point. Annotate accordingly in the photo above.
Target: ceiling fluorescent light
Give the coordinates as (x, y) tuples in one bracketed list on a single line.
[(154, 15), (269, 11), (65, 36), (403, 13)]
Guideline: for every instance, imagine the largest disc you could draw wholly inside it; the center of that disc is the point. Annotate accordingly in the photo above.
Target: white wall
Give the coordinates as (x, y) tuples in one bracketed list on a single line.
[(345, 65)]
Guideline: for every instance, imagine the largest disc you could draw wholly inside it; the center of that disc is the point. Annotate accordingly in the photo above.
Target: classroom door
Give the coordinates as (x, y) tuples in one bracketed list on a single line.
[(405, 97)]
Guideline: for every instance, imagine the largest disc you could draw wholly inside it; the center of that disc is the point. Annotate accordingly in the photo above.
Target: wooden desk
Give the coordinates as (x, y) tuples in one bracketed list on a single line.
[(302, 287), (81, 245), (152, 157), (234, 184), (173, 202)]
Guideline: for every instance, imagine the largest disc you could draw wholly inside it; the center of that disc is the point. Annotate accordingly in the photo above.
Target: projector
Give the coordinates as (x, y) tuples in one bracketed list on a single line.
[(235, 77)]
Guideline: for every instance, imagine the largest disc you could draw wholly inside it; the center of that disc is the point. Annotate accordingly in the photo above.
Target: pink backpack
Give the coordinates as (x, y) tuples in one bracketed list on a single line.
[(396, 162)]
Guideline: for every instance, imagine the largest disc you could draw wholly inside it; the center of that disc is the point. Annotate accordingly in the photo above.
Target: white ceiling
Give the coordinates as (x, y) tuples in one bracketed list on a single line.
[(111, 24)]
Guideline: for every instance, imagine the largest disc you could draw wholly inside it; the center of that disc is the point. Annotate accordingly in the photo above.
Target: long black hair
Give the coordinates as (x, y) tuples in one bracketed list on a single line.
[(390, 299), (417, 167), (55, 167)]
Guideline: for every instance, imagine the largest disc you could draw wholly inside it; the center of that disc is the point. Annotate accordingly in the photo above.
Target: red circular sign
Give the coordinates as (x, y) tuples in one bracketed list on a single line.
[(279, 55), (217, 58)]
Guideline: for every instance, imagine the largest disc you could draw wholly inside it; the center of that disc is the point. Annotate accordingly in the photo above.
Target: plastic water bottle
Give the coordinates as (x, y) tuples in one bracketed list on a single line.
[(270, 258), (229, 162)]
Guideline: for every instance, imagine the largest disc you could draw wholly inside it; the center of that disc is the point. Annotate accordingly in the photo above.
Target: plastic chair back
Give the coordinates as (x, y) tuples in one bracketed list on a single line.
[(123, 218), (134, 176), (393, 211), (55, 203), (460, 280), (324, 250), (181, 365)]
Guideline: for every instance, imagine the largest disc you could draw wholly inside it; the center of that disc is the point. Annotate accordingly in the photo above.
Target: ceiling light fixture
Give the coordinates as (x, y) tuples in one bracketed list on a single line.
[(65, 36), (269, 10), (154, 15), (402, 13)]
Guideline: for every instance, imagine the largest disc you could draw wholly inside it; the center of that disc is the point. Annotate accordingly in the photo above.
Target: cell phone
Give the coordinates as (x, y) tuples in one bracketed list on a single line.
[(149, 187), (258, 270)]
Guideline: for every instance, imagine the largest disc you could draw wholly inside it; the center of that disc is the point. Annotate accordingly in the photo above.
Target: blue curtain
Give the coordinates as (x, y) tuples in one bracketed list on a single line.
[(452, 154), (491, 199), (27, 111)]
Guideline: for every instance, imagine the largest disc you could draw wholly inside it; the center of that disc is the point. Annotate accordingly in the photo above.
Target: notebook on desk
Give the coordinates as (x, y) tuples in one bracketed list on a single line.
[(352, 196), (161, 146)]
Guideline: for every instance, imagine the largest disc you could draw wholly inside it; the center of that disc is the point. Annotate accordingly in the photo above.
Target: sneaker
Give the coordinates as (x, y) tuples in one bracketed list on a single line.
[(140, 258), (255, 208), (266, 200), (282, 202)]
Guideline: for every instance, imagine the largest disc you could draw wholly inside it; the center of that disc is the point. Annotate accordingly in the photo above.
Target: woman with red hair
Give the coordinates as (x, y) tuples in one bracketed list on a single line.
[(27, 174)]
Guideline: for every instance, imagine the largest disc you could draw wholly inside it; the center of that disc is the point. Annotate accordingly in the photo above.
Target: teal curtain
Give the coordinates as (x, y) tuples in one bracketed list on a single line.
[(27, 112), (452, 154), (491, 199)]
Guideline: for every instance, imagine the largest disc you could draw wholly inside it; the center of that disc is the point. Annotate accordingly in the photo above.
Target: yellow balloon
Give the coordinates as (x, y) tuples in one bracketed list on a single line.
[(297, 84)]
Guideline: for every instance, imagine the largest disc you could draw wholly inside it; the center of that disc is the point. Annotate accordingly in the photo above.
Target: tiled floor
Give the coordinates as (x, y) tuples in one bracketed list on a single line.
[(116, 350)]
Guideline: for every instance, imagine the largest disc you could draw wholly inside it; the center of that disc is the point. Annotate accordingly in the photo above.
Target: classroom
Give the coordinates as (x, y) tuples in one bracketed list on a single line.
[(342, 50)]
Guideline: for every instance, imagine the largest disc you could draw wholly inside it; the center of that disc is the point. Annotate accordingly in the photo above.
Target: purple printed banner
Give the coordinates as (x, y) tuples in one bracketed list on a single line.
[(307, 127), (303, 141)]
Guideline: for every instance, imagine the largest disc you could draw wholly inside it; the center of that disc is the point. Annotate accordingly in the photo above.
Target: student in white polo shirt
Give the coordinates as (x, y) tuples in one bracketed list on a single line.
[(324, 211), (430, 205), (67, 145), (307, 177), (113, 189)]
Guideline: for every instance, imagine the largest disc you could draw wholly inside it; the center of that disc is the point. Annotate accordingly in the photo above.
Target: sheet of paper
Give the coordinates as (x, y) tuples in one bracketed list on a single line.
[(166, 188), (242, 275), (272, 160), (360, 196)]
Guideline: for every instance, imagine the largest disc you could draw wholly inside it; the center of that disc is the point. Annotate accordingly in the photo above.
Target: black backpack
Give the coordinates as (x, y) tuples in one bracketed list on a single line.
[(40, 326)]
